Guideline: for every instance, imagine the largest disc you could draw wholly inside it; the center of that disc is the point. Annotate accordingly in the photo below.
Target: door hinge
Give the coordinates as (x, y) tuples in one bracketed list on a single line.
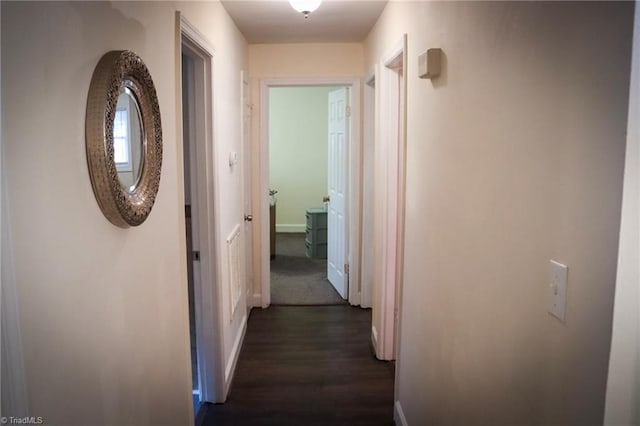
[(346, 269), (196, 256), (348, 111)]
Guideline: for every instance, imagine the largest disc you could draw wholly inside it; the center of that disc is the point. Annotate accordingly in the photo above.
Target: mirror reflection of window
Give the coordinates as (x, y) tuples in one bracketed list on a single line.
[(121, 146), (127, 140)]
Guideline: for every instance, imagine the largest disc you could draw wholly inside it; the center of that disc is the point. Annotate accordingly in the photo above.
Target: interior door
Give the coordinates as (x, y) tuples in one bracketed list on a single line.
[(247, 176), (337, 182)]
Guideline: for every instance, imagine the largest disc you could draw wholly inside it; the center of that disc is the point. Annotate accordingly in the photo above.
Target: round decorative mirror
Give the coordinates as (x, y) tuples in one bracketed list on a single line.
[(123, 138)]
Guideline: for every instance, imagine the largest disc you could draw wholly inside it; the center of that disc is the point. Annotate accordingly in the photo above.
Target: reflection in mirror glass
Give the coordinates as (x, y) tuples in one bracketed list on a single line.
[(127, 139)]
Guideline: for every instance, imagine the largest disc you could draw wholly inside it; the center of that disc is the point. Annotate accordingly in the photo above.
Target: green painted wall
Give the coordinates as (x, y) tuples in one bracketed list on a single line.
[(297, 152)]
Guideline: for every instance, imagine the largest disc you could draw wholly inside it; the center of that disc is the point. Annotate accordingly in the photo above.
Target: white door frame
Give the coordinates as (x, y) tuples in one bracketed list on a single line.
[(354, 155), (367, 178), (246, 155), (207, 295), (391, 163)]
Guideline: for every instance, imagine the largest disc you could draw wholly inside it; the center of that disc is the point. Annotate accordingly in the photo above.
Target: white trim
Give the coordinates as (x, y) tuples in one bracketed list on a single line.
[(354, 193), (396, 54), (367, 187), (398, 415), (391, 156), (208, 297), (354, 166), (299, 228), (263, 205), (256, 299), (402, 196), (194, 35), (233, 357), (234, 274), (246, 107), (370, 79)]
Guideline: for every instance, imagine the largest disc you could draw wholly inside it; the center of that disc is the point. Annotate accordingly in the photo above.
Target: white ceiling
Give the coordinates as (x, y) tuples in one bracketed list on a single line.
[(275, 21)]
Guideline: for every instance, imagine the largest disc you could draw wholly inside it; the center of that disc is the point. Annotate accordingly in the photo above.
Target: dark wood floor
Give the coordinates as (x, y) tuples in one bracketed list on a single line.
[(308, 365)]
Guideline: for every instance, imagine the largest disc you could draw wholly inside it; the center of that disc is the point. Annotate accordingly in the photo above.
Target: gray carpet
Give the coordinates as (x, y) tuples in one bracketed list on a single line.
[(297, 279)]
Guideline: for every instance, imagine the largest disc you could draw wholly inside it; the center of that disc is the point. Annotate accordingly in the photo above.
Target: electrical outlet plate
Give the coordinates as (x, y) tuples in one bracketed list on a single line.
[(558, 274)]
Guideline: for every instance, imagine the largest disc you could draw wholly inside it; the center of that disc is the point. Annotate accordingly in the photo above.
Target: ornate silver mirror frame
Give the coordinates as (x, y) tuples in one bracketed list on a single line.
[(119, 72)]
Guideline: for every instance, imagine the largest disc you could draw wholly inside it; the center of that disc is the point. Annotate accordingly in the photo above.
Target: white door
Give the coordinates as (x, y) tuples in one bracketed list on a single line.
[(247, 177), (337, 180)]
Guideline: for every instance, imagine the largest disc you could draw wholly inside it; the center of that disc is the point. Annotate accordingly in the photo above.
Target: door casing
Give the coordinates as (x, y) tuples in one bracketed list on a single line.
[(207, 295), (247, 180), (262, 184), (367, 261), (390, 201)]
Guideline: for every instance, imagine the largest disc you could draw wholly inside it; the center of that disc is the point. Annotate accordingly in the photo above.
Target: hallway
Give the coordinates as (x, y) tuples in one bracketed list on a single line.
[(307, 366), (521, 133)]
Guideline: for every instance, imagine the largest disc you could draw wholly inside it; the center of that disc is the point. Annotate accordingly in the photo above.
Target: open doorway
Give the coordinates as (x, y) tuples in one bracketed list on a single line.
[(307, 133), (196, 63), (324, 228), (188, 136)]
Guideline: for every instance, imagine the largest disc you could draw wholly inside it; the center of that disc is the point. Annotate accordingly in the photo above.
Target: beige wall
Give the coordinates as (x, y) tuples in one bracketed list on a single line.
[(623, 384), (305, 60), (103, 311), (514, 156)]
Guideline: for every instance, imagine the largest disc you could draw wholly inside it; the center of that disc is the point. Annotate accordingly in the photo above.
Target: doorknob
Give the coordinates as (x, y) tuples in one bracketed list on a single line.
[(326, 199), (248, 218)]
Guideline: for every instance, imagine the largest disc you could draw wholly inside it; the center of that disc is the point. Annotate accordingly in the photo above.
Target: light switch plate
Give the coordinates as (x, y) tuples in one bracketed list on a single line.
[(558, 274)]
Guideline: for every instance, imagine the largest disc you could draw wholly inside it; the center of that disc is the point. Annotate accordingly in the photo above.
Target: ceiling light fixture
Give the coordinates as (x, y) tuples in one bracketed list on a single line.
[(305, 6)]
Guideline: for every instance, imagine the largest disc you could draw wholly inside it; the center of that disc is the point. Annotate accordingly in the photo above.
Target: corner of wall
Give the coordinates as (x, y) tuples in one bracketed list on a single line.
[(622, 404)]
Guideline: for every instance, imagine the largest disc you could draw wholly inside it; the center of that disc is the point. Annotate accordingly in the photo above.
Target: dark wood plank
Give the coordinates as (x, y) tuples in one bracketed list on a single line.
[(308, 365)]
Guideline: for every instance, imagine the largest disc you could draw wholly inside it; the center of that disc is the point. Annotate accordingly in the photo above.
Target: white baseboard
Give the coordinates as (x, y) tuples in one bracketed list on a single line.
[(230, 368), (256, 300), (398, 415), (354, 300), (291, 228)]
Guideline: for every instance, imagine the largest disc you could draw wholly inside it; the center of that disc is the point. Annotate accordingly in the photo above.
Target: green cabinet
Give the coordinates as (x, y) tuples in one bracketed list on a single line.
[(316, 233)]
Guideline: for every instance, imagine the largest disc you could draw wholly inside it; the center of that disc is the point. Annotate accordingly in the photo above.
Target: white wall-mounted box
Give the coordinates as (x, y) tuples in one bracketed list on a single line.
[(430, 63)]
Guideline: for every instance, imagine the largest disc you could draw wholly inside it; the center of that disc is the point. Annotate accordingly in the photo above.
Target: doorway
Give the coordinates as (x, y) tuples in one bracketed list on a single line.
[(196, 62), (306, 126), (312, 219), (188, 136)]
